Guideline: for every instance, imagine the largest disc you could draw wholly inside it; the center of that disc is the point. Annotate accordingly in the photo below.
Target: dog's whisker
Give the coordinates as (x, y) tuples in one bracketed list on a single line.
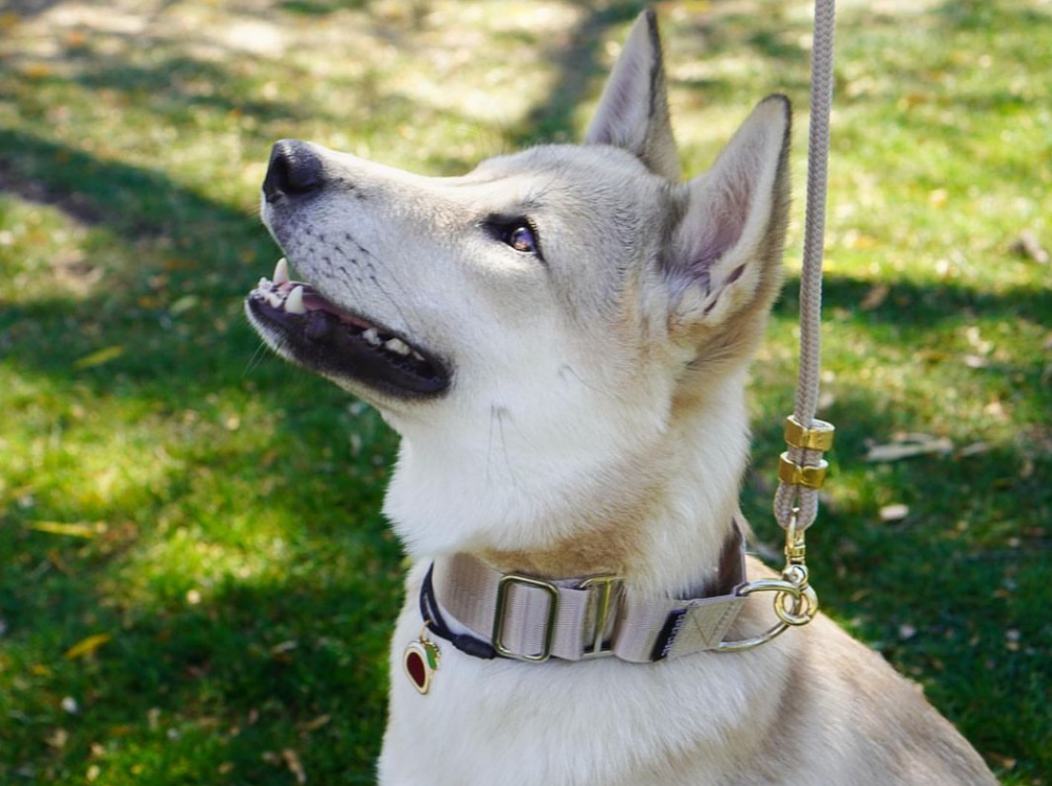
[(566, 367), (393, 302), (489, 439), (255, 359), (408, 296), (501, 413)]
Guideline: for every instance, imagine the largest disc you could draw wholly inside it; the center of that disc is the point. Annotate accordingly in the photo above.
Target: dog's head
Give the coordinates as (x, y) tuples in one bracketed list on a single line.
[(548, 309)]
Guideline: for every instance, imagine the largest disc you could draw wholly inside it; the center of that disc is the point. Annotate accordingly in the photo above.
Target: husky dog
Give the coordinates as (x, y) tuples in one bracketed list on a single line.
[(561, 339)]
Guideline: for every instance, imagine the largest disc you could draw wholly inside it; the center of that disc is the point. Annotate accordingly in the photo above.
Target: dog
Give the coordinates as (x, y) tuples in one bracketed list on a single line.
[(561, 339)]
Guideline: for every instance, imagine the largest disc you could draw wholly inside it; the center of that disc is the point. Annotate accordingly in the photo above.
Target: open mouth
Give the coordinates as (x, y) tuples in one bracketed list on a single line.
[(299, 322)]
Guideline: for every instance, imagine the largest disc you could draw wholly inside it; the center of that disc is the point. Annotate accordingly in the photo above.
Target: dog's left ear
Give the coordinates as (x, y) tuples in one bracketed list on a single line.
[(721, 266), (633, 111)]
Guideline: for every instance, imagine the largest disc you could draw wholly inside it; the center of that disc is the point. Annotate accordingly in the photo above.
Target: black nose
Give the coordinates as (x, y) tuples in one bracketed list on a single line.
[(294, 170)]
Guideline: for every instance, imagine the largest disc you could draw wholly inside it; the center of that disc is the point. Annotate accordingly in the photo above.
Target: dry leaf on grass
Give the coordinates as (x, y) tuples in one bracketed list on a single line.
[(1027, 245), (284, 647), (99, 357), (292, 761), (896, 512), (908, 446), (875, 297), (72, 529), (87, 646), (973, 450), (316, 723), (57, 739)]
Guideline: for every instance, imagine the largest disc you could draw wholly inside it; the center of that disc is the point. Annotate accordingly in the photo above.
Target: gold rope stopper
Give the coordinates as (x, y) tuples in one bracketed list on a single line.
[(818, 437)]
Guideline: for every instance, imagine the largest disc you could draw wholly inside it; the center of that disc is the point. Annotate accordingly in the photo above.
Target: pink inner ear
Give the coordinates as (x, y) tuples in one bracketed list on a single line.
[(721, 227)]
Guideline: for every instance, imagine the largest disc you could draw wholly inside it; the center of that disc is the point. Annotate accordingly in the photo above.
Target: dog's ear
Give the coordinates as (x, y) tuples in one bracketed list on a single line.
[(722, 262), (633, 111)]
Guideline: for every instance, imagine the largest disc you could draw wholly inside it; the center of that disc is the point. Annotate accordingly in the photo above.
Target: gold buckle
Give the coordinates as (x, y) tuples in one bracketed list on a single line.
[(795, 601), (793, 474), (606, 587), (501, 610), (818, 437)]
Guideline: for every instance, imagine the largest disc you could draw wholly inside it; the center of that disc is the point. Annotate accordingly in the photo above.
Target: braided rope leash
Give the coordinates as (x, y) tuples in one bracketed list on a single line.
[(796, 501), (802, 469)]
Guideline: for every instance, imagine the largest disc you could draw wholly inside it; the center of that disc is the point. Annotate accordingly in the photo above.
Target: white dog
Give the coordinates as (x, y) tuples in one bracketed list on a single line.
[(561, 339)]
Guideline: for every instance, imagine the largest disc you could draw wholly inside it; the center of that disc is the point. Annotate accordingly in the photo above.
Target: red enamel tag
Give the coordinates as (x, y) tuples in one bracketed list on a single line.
[(420, 662)]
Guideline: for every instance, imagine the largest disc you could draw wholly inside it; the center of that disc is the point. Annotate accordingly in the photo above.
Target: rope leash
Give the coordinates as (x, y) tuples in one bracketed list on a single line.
[(802, 469), (800, 500)]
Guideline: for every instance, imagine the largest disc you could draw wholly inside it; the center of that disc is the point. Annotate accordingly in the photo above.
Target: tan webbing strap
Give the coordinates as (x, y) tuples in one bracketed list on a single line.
[(528, 618)]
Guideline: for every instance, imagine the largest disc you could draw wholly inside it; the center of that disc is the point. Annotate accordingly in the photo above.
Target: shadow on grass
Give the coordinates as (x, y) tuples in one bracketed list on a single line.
[(321, 7), (576, 71), (916, 307), (579, 73), (979, 15), (244, 671), (130, 200), (177, 83), (31, 8)]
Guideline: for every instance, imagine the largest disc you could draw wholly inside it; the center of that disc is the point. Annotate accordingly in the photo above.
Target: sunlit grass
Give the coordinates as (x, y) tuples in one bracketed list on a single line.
[(216, 514)]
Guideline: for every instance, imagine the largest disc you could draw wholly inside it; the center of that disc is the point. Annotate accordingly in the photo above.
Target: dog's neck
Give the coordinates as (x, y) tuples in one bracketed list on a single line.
[(659, 518)]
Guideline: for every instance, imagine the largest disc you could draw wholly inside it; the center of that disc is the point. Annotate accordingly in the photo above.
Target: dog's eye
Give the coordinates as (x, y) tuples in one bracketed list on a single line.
[(515, 231), (521, 238)]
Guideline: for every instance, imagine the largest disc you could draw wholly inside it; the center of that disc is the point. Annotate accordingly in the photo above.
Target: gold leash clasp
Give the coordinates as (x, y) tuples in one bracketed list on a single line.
[(795, 600)]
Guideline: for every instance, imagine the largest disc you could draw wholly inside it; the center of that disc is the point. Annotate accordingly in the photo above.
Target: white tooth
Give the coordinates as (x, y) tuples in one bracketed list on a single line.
[(371, 336), (294, 302), (273, 298), (418, 356), (397, 345), (281, 272)]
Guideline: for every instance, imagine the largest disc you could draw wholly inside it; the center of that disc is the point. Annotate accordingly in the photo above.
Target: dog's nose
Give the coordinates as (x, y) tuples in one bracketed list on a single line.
[(294, 170)]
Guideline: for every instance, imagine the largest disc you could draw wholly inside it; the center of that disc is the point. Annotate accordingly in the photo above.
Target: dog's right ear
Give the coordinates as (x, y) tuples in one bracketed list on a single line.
[(633, 111)]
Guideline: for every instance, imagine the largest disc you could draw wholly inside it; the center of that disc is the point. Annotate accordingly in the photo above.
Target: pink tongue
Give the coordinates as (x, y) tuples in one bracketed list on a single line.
[(315, 302)]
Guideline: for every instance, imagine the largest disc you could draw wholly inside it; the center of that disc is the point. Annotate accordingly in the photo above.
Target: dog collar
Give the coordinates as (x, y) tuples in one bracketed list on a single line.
[(488, 614)]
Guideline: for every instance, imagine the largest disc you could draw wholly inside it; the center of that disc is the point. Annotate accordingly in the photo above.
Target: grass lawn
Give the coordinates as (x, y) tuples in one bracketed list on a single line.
[(203, 521)]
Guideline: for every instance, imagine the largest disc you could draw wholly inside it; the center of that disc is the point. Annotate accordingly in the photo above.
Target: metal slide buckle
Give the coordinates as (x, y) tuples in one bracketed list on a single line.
[(501, 610), (605, 587)]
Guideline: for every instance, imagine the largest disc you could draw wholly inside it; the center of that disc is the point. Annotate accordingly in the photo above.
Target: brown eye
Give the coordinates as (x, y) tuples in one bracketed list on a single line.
[(521, 239), (516, 231)]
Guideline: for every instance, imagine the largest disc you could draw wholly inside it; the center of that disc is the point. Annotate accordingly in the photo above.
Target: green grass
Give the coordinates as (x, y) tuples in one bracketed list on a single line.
[(237, 559)]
